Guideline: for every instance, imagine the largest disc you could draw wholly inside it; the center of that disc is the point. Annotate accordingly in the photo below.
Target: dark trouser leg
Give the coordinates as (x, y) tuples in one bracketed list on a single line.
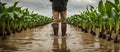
[(63, 24), (55, 22)]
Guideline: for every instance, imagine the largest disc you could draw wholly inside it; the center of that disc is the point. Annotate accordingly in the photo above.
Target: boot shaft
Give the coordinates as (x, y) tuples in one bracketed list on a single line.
[(55, 28), (63, 28)]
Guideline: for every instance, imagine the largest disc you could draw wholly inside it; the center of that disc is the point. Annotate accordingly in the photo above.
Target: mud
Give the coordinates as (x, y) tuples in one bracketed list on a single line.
[(41, 39)]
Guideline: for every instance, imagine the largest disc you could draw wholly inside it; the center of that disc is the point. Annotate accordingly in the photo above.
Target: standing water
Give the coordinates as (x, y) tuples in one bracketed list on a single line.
[(40, 39)]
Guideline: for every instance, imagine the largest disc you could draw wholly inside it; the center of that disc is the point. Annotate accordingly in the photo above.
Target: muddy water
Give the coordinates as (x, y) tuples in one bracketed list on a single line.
[(41, 39)]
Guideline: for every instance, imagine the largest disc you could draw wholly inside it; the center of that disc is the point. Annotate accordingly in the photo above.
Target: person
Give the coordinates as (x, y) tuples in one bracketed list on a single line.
[(59, 7)]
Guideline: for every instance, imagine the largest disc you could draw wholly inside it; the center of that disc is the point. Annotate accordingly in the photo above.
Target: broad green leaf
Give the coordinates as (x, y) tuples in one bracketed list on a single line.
[(15, 4), (18, 14), (101, 7), (1, 14), (11, 15), (117, 2), (115, 6), (108, 9)]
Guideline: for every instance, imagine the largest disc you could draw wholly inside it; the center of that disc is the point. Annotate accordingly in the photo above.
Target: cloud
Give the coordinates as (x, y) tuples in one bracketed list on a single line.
[(44, 6)]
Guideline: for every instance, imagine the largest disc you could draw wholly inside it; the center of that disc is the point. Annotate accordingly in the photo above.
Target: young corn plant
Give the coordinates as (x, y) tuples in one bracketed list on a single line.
[(101, 9), (3, 14), (93, 19), (109, 13), (106, 18), (116, 6), (15, 19)]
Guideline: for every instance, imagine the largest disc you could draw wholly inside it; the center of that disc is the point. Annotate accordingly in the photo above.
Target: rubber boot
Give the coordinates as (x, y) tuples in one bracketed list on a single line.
[(63, 28), (55, 28)]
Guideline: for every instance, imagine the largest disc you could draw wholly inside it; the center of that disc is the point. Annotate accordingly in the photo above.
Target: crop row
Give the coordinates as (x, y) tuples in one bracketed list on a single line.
[(106, 18), (15, 19)]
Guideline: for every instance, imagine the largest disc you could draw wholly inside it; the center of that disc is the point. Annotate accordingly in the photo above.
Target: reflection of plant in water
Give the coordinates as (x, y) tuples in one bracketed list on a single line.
[(108, 46), (116, 47), (7, 46)]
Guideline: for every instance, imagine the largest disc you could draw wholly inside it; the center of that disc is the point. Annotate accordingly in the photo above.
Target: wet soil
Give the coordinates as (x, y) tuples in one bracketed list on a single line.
[(41, 39)]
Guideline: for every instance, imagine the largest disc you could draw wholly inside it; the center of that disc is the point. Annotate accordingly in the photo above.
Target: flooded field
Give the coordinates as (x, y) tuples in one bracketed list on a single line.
[(41, 39)]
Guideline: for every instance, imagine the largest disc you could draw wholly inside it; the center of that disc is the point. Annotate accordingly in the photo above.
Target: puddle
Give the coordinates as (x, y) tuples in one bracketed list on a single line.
[(40, 40)]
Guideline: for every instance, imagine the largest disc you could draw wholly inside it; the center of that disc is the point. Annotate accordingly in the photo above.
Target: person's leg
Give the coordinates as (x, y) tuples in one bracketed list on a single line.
[(63, 24), (55, 22), (55, 16), (63, 16)]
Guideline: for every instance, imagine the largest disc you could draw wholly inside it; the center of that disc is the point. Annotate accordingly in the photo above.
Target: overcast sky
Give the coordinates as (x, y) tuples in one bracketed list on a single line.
[(44, 7)]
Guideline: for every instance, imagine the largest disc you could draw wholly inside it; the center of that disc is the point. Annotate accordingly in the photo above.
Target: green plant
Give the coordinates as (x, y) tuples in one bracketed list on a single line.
[(15, 19), (106, 18)]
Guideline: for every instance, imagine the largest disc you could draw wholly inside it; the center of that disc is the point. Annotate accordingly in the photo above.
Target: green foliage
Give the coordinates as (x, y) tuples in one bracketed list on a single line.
[(106, 17), (14, 17)]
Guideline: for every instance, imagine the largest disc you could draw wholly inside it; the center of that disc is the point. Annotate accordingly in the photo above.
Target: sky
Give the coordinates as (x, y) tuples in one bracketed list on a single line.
[(43, 7)]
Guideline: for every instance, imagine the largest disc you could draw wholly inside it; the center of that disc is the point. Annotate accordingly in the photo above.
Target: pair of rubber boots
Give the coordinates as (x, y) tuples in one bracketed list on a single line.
[(56, 28)]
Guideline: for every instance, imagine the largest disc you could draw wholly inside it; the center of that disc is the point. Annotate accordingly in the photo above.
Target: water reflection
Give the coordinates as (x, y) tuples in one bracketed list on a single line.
[(55, 45), (116, 48), (91, 43), (34, 40), (6, 46), (60, 47), (109, 47)]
